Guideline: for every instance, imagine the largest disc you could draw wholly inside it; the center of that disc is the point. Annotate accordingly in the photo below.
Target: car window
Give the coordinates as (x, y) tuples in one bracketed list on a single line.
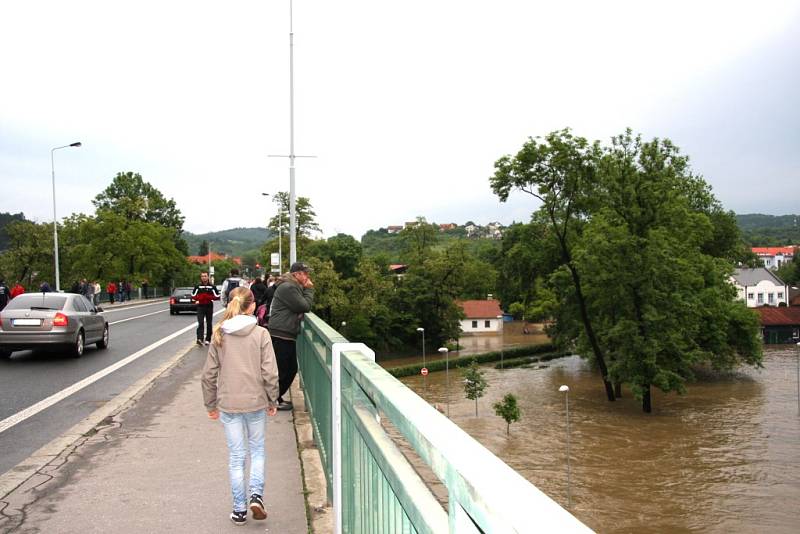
[(87, 303), (78, 304), (183, 292), (45, 301)]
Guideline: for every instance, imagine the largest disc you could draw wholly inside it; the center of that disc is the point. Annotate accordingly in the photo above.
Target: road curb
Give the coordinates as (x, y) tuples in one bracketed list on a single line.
[(26, 469)]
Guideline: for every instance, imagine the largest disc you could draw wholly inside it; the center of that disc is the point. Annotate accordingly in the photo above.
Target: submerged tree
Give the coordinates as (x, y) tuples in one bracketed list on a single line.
[(474, 383), (508, 410)]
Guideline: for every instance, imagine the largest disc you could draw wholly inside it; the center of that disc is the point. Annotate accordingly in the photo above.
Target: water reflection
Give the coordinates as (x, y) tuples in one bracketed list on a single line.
[(725, 457)]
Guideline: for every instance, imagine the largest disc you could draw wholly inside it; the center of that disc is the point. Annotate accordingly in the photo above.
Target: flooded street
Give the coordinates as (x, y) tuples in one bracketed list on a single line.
[(725, 457)]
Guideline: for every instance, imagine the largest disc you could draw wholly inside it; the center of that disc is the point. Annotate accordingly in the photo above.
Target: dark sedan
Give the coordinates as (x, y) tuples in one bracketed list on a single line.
[(181, 300), (51, 320)]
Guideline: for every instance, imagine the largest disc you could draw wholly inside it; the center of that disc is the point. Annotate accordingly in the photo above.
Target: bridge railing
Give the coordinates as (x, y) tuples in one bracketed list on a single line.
[(380, 489)]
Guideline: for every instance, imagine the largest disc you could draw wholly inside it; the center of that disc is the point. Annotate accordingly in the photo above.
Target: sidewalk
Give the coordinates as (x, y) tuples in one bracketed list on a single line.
[(158, 466)]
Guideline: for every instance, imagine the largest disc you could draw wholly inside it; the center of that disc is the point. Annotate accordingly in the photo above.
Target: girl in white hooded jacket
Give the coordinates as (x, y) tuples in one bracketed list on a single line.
[(240, 384)]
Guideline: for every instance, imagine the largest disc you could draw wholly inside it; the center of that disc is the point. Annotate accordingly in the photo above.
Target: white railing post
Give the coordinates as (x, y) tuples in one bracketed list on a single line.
[(336, 422)]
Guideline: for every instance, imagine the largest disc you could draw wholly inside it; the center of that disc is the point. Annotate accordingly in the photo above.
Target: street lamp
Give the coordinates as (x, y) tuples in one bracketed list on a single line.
[(446, 352), (55, 223), (424, 377), (500, 318), (565, 389), (798, 379)]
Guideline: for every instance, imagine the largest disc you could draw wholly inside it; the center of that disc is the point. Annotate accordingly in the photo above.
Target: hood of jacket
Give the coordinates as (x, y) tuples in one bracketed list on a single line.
[(288, 279), (239, 325)]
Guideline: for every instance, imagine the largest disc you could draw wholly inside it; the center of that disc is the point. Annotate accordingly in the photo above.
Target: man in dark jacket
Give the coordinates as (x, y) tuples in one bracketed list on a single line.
[(204, 294), (294, 296)]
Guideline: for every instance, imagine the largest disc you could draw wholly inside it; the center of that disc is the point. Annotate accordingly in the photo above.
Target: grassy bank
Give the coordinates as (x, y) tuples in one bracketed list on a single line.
[(542, 352)]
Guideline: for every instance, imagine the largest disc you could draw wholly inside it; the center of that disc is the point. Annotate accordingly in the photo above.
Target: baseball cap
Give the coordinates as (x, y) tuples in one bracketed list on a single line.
[(299, 266)]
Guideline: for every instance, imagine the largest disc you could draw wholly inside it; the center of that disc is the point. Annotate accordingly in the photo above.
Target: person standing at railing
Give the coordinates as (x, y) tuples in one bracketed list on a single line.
[(294, 296), (5, 293), (240, 382)]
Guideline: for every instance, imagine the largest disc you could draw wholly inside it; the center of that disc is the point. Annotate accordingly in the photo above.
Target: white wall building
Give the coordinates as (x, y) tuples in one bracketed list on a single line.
[(774, 257), (481, 317), (760, 287)]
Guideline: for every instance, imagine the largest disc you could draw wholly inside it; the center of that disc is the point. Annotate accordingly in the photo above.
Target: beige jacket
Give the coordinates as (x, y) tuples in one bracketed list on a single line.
[(241, 375)]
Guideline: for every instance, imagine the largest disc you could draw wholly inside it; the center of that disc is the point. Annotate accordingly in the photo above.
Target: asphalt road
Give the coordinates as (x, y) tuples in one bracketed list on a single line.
[(30, 377)]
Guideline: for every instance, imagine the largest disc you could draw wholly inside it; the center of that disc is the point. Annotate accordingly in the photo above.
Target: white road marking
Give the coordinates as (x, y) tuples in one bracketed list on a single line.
[(137, 317), (126, 308), (20, 416)]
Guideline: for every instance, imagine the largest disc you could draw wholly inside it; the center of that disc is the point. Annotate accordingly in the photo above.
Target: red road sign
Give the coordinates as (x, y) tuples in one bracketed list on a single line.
[(424, 371)]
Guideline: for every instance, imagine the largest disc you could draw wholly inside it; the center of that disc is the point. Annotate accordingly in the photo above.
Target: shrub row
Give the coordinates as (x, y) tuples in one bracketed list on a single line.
[(526, 360), (545, 350)]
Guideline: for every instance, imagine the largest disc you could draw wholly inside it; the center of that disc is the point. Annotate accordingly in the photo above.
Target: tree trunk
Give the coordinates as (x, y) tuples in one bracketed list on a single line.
[(618, 390), (476, 407), (508, 428), (587, 325), (647, 403)]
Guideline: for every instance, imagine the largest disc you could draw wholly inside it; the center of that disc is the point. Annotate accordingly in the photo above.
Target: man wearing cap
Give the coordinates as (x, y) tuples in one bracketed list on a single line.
[(294, 296)]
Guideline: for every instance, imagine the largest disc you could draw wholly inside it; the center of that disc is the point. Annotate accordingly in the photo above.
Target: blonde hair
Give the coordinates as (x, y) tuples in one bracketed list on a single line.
[(240, 300)]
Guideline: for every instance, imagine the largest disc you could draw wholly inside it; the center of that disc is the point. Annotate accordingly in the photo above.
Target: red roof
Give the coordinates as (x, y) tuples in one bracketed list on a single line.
[(773, 251), (780, 316), (200, 260), (481, 309)]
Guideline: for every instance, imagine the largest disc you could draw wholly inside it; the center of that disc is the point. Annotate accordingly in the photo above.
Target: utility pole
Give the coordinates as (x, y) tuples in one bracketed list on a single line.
[(291, 155)]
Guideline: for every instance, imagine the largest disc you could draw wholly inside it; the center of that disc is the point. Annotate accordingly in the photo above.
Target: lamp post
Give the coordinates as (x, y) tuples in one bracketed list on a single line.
[(565, 389), (446, 352), (798, 379), (500, 318), (424, 377), (55, 220)]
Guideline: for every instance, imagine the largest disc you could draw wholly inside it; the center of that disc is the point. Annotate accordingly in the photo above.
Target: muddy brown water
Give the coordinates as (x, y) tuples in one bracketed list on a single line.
[(725, 457)]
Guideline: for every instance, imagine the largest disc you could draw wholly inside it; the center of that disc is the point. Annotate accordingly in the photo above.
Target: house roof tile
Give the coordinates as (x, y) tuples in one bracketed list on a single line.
[(481, 309), (780, 316)]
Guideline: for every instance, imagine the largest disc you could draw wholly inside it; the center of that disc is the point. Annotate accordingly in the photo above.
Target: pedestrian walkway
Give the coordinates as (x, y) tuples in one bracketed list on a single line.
[(159, 466)]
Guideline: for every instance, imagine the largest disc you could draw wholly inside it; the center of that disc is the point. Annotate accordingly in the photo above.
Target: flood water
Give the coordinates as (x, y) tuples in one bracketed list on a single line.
[(725, 457)]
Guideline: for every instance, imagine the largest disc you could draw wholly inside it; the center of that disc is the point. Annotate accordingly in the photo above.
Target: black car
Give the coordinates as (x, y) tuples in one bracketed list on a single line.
[(181, 301)]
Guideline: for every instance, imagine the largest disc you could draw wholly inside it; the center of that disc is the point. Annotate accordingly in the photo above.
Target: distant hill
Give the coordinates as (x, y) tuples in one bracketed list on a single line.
[(759, 230), (233, 242)]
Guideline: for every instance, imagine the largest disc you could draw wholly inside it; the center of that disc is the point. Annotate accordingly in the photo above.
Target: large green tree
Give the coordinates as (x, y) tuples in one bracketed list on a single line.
[(304, 213), (133, 198), (561, 172)]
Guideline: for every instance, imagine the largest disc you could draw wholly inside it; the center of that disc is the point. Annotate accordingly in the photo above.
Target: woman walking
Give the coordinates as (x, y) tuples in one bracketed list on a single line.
[(240, 384)]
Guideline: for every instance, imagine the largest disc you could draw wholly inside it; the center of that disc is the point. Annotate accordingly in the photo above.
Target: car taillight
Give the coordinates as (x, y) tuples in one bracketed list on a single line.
[(60, 319), (172, 300)]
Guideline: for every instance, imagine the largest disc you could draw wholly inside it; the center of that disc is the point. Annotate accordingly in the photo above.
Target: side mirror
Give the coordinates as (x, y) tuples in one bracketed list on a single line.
[(98, 309)]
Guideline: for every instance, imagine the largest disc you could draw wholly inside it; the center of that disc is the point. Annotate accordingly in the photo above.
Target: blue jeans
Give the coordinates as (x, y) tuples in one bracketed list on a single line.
[(241, 427)]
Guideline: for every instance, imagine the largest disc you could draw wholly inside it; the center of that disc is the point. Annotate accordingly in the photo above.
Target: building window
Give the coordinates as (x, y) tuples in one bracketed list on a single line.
[(761, 298), (487, 324), (750, 296), (780, 295), (795, 333), (771, 298), (474, 324)]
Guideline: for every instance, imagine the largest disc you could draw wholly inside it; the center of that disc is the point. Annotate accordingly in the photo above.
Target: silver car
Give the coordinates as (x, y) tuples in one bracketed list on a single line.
[(51, 320)]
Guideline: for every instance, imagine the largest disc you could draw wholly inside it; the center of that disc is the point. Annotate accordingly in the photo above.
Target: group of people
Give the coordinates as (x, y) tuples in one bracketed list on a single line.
[(120, 290), (251, 364)]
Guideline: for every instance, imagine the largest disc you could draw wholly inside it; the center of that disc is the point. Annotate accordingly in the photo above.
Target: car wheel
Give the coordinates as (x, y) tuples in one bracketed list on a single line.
[(5, 354), (103, 343), (77, 349), (172, 312)]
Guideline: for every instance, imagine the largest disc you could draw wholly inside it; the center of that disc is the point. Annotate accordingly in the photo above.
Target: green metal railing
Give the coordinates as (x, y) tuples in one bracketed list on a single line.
[(380, 490)]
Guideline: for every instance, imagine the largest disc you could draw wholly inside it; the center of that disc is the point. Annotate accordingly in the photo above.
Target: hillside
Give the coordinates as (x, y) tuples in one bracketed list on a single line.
[(233, 242), (759, 230)]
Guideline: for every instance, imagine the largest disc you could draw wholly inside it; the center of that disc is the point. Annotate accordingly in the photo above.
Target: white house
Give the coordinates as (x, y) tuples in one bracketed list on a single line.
[(481, 317), (760, 287), (774, 257)]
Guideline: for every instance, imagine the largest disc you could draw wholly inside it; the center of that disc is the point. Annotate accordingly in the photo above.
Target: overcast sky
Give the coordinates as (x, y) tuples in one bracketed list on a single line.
[(406, 105)]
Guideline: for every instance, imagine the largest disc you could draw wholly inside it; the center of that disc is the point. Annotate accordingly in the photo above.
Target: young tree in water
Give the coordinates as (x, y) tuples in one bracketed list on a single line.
[(474, 383), (560, 172), (508, 410)]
